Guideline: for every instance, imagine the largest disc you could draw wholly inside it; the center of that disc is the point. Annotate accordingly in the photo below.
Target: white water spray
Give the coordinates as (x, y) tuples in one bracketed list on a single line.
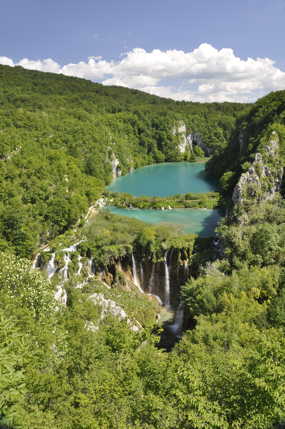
[(176, 327), (35, 261), (91, 267), (151, 280), (80, 265), (167, 283), (51, 268), (135, 275), (64, 270)]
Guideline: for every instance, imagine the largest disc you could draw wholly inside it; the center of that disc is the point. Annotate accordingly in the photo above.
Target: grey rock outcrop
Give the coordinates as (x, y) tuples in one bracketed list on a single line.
[(186, 142), (197, 140), (179, 130), (109, 306), (263, 178), (116, 169)]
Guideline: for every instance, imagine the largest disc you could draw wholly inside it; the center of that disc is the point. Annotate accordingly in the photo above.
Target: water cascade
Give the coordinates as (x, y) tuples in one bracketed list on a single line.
[(142, 274), (91, 267), (35, 261), (176, 327), (64, 270), (135, 275), (80, 265), (167, 283), (151, 280), (51, 267)]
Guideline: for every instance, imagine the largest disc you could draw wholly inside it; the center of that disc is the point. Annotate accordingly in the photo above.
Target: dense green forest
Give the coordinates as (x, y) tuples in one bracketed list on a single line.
[(74, 366), (58, 136)]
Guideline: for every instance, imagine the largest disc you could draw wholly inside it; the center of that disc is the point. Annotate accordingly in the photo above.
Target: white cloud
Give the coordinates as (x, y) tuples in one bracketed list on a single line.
[(205, 74), (6, 61)]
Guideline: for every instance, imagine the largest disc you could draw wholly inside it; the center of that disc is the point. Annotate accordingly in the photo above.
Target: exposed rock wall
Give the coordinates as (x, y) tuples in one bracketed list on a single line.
[(116, 169), (197, 140), (161, 279), (186, 142), (263, 178), (179, 130)]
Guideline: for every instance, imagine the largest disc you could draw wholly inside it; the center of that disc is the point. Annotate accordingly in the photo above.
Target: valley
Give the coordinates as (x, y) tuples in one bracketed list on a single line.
[(111, 230)]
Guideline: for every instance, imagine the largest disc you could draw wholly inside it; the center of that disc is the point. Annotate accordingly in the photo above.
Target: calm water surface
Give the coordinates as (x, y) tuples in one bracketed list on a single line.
[(195, 221), (169, 179), (161, 180)]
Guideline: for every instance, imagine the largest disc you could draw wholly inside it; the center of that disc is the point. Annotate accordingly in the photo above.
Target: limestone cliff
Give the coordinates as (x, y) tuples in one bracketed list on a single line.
[(179, 130), (187, 142), (263, 178), (116, 168)]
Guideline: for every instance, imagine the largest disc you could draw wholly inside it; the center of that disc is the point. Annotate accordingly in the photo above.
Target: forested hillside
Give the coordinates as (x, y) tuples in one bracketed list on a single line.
[(250, 135), (60, 135), (80, 341)]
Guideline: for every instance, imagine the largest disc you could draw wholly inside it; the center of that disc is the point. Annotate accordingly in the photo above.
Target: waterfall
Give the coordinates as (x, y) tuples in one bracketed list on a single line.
[(91, 267), (60, 295), (35, 261), (51, 268), (176, 327), (135, 275), (142, 276), (80, 265), (151, 280), (64, 270), (186, 269), (167, 283)]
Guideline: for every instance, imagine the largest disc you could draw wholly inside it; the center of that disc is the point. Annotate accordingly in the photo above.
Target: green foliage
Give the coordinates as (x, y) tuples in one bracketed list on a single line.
[(58, 137), (253, 130), (78, 367), (207, 200)]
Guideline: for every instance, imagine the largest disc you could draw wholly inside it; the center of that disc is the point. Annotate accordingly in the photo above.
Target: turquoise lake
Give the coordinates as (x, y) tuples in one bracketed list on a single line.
[(164, 180), (161, 180), (195, 221)]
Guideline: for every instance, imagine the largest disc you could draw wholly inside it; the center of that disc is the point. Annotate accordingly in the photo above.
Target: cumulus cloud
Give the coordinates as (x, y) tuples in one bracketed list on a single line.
[(204, 74)]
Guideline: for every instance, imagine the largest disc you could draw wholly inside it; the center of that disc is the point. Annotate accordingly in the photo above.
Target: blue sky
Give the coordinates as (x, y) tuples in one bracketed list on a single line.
[(69, 31)]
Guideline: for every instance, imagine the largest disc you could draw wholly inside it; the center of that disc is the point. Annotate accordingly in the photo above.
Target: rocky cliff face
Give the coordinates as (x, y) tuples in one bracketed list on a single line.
[(179, 130), (263, 178), (197, 140), (160, 279), (116, 169), (186, 142)]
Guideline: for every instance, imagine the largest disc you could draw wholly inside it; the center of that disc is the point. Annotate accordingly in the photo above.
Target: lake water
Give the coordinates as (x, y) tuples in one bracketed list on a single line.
[(164, 180), (161, 180), (195, 221)]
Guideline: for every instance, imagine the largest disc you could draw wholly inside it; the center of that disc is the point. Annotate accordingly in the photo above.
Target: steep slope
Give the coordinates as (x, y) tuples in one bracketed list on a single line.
[(252, 133)]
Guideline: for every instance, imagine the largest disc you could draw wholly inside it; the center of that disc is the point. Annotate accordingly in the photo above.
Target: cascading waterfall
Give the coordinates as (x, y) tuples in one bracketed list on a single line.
[(80, 265), (35, 261), (51, 267), (167, 283), (64, 270), (151, 286), (176, 327), (61, 295), (135, 275), (91, 267), (151, 280), (142, 273)]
